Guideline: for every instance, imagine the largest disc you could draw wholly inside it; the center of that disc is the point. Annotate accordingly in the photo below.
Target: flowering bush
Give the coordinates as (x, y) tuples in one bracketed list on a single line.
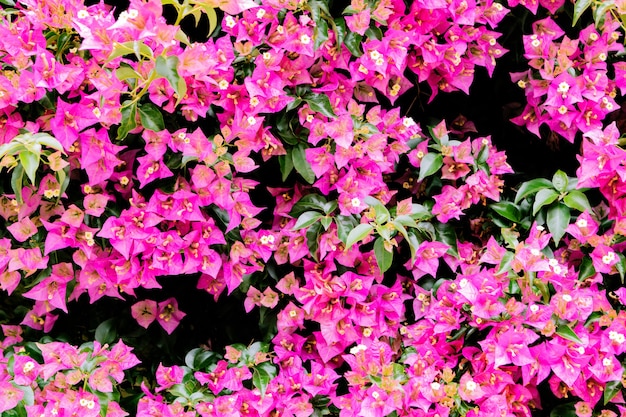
[(232, 208)]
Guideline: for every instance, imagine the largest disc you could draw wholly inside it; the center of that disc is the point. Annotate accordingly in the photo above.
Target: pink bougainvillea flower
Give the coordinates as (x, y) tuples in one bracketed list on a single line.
[(10, 396), (168, 314), (168, 376), (23, 229), (145, 312)]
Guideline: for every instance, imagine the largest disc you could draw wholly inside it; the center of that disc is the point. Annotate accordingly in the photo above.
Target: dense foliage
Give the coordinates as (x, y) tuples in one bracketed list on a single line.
[(301, 207)]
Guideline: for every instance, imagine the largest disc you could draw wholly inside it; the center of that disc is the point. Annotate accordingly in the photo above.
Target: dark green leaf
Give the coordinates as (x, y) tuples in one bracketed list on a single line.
[(129, 119), (611, 389), (308, 202), (507, 210), (557, 219), (151, 117), (374, 32), (339, 26), (301, 164), (383, 257), (168, 68), (320, 35), (531, 187), (312, 238), (567, 333), (7, 2), (586, 269), (306, 219), (564, 410), (599, 12), (577, 200), (261, 377), (560, 181), (30, 162), (353, 42), (320, 103), (286, 165), (414, 243), (344, 225), (579, 8), (358, 233), (544, 197), (621, 266), (106, 332), (431, 163)]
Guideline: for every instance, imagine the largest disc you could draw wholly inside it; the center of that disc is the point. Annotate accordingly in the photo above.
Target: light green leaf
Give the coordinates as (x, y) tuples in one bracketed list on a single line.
[(30, 162), (126, 73), (382, 214), (531, 187), (557, 219), (168, 68), (384, 258), (358, 233), (544, 197), (151, 117), (560, 181), (505, 263), (301, 164), (320, 35), (405, 220), (17, 181), (261, 377), (577, 200), (306, 219), (47, 140), (579, 8), (431, 163), (339, 26), (326, 222)]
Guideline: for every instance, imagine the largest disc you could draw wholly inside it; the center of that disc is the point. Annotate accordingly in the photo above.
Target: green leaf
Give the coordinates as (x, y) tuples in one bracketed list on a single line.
[(566, 332), (320, 103), (414, 243), (312, 238), (339, 26), (405, 220), (579, 8), (600, 10), (306, 219), (560, 181), (30, 162), (611, 389), (151, 117), (374, 32), (586, 269), (301, 164), (320, 35), (17, 181), (106, 331), (577, 200), (48, 140), (564, 410), (261, 377), (126, 73), (308, 202), (384, 258), (382, 214), (344, 225), (505, 263), (353, 42), (358, 233), (544, 197), (286, 165), (507, 210), (557, 219), (129, 119), (10, 3), (531, 187), (326, 222), (29, 394), (431, 163), (168, 68), (131, 47)]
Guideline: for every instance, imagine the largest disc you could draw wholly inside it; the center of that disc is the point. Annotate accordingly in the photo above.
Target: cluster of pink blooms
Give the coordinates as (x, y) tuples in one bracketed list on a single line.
[(567, 86), (66, 380), (462, 328)]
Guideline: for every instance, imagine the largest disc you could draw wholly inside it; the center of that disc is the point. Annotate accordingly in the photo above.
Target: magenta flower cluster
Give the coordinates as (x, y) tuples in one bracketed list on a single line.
[(401, 277)]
